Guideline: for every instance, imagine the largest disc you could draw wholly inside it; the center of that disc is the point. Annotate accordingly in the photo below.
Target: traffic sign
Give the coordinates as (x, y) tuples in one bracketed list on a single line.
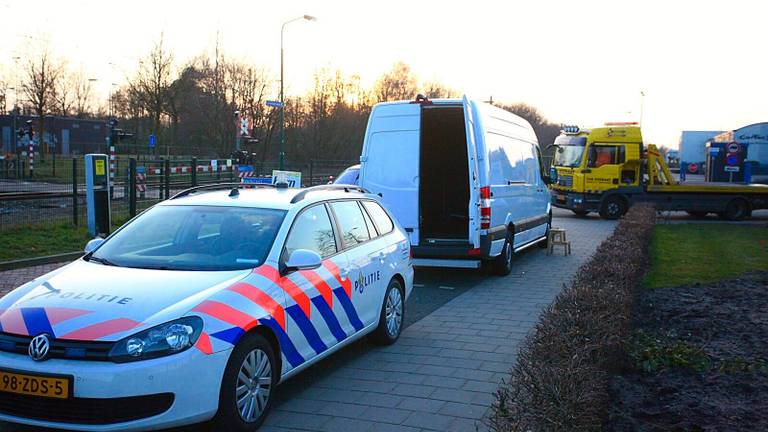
[(732, 169), (732, 160), (733, 147), (275, 104), (152, 141)]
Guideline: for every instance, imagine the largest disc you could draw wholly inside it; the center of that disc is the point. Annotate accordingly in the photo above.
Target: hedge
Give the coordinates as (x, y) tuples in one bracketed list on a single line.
[(559, 381)]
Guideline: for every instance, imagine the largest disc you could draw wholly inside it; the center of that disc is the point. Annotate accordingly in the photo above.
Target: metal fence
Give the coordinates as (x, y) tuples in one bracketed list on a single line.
[(56, 193)]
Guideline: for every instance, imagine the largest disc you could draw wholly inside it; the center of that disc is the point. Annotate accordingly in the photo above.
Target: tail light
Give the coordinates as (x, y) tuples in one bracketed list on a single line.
[(485, 207)]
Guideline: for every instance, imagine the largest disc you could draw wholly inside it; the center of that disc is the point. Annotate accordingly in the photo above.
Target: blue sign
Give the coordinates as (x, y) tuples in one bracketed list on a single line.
[(257, 180), (276, 104), (732, 160), (151, 141)]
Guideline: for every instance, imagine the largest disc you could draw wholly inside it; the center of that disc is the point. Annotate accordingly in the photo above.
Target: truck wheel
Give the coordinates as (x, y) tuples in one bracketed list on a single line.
[(502, 264), (736, 210), (580, 213), (613, 208)]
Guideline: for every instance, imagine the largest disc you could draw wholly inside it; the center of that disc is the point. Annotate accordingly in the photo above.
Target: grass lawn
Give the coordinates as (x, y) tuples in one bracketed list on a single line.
[(690, 253), (32, 241)]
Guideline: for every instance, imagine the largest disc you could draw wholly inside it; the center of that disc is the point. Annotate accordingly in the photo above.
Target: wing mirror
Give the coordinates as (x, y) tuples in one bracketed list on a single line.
[(303, 259), (93, 244)]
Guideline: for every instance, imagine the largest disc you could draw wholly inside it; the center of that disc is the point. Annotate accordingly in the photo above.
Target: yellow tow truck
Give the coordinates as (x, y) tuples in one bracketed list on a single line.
[(607, 169)]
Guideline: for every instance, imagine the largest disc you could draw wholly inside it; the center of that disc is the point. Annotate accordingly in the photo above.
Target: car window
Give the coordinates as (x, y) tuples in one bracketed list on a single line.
[(380, 217), (351, 222), (600, 155), (371, 227), (312, 231), (205, 238)]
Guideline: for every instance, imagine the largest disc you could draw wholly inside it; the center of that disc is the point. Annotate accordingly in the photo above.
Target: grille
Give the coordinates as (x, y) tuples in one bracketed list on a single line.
[(85, 410), (61, 349), (565, 180)]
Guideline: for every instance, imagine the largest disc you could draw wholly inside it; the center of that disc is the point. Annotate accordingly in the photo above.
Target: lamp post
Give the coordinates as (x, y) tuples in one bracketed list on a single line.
[(281, 156)]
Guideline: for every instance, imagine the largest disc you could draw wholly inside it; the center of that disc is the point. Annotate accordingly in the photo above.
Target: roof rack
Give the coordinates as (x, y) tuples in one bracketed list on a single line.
[(338, 187), (214, 186)]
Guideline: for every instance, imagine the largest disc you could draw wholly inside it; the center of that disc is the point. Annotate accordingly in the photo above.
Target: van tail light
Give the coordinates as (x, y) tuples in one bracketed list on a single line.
[(485, 207), (411, 253), (474, 252)]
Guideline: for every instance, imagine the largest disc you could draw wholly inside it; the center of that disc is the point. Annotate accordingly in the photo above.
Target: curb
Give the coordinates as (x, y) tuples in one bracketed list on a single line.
[(31, 262)]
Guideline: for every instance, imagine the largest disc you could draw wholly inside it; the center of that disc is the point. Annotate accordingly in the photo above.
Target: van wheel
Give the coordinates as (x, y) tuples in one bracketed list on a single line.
[(545, 244), (580, 213), (391, 316), (502, 264), (737, 209), (248, 386), (613, 208)]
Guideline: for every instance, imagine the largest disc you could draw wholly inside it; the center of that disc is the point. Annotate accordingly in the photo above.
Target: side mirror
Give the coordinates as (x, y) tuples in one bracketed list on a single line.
[(303, 259), (552, 175), (93, 244)]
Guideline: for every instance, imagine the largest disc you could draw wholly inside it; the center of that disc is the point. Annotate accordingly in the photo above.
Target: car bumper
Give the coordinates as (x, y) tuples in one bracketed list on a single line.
[(574, 201), (192, 377)]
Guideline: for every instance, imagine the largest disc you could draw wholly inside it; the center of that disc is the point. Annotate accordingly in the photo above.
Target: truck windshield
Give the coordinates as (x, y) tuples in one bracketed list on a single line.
[(202, 238), (570, 150)]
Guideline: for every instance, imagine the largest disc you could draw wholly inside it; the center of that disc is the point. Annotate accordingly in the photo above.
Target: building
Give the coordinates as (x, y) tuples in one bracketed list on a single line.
[(64, 135), (693, 151), (756, 137)]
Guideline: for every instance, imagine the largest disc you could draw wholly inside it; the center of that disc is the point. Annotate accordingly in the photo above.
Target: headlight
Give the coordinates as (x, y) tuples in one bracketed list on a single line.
[(165, 339)]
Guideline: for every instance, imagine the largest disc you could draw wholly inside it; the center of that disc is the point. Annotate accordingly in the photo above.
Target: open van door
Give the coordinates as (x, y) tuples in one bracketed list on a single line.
[(389, 166), (474, 182)]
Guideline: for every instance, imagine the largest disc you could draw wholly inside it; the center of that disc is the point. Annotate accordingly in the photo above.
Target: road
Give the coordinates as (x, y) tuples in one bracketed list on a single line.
[(461, 336)]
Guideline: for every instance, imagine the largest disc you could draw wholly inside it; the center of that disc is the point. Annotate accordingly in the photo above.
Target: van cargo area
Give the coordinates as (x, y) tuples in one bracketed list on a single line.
[(443, 175)]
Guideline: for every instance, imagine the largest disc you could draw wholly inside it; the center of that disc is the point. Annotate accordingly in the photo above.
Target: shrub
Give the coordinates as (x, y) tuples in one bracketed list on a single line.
[(560, 379)]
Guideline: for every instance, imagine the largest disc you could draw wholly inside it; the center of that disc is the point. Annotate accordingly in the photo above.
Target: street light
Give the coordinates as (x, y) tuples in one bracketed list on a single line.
[(282, 95)]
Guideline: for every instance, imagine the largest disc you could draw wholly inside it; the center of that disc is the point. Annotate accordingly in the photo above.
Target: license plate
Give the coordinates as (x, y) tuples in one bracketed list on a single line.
[(561, 197), (35, 385)]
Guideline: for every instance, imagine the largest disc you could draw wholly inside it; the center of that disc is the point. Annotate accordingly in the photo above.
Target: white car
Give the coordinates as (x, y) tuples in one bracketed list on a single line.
[(199, 307)]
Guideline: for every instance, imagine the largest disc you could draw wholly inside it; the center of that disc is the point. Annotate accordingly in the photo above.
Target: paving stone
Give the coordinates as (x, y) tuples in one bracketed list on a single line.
[(429, 421)]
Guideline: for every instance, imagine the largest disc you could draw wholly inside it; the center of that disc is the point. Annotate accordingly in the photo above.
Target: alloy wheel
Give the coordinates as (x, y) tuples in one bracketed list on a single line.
[(254, 384)]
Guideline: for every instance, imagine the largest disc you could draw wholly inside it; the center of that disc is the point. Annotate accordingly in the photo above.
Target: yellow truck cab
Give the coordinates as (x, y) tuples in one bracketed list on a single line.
[(607, 169)]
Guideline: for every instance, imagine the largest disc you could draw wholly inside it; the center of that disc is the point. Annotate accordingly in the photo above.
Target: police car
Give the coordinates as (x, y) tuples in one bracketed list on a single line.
[(199, 307)]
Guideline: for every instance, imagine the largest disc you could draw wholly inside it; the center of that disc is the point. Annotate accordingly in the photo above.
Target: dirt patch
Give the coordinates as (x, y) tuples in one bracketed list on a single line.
[(700, 360)]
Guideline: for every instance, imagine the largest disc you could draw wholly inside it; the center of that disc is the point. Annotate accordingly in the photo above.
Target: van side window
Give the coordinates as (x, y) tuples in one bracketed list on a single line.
[(380, 217), (351, 222), (312, 231)]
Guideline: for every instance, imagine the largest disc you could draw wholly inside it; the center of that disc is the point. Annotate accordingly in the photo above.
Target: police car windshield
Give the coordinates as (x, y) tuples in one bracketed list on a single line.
[(570, 150), (202, 238)]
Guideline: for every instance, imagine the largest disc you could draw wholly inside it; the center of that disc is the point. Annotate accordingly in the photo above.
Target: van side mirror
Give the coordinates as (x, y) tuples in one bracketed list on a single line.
[(93, 244), (302, 259)]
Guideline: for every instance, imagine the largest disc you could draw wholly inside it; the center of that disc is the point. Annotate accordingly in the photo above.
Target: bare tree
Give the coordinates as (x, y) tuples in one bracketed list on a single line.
[(435, 90), (152, 80), (43, 73), (399, 83), (82, 94)]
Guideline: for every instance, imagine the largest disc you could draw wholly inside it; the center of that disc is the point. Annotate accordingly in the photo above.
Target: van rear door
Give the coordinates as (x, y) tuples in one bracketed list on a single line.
[(389, 165), (474, 182)]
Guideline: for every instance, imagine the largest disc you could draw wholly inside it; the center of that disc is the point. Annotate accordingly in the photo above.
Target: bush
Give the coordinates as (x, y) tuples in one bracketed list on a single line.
[(560, 379)]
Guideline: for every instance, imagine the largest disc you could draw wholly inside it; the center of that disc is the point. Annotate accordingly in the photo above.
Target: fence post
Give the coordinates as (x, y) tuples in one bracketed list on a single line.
[(194, 171), (132, 187), (311, 171), (74, 191), (167, 170)]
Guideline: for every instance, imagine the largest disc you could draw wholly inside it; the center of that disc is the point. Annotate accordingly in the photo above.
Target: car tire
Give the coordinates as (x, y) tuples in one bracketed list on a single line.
[(580, 213), (252, 349), (613, 207), (502, 264), (736, 210), (545, 243), (392, 315)]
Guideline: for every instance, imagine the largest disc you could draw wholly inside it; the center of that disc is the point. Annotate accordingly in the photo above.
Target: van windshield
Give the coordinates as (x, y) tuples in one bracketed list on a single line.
[(202, 238), (570, 150)]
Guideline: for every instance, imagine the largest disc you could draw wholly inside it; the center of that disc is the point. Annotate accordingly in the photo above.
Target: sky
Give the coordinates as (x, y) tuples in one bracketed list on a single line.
[(701, 65)]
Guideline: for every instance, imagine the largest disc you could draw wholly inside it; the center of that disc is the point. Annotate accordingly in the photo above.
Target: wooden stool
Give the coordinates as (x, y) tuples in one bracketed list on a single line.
[(557, 237)]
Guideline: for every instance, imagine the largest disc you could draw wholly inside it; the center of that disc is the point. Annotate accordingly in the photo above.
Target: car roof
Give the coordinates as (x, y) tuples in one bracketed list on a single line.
[(268, 197)]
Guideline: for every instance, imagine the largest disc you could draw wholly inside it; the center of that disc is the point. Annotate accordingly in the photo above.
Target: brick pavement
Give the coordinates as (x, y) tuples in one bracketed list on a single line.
[(442, 373)]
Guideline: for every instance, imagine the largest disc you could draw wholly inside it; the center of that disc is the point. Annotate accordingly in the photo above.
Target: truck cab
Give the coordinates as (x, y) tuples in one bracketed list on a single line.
[(593, 169)]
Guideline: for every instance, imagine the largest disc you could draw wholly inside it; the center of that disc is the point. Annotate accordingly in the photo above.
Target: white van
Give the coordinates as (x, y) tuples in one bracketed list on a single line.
[(464, 178)]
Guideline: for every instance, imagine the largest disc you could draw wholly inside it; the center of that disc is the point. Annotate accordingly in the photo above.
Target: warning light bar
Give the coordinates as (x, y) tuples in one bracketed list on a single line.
[(570, 129), (621, 123)]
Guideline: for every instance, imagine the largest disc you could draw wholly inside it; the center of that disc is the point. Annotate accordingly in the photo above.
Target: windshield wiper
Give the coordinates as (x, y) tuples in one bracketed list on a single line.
[(103, 261)]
